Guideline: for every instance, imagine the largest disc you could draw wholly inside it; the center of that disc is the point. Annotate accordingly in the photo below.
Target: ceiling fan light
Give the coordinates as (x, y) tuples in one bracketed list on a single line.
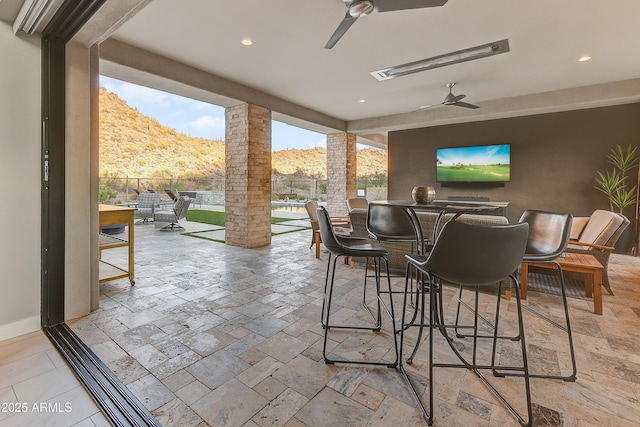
[(361, 8), (464, 55)]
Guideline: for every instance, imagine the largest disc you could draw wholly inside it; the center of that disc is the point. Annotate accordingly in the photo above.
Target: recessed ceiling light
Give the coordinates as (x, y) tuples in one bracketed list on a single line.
[(584, 58), (361, 101), (247, 42)]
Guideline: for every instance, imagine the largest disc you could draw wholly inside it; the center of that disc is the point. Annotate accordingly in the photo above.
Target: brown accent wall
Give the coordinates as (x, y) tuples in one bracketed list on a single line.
[(554, 157)]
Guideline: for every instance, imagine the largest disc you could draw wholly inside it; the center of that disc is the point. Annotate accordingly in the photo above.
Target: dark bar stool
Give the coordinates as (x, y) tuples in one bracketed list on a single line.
[(477, 257), (549, 234), (353, 247)]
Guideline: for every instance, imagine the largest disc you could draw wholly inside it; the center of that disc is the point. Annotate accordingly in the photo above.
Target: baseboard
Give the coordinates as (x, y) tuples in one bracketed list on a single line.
[(21, 327)]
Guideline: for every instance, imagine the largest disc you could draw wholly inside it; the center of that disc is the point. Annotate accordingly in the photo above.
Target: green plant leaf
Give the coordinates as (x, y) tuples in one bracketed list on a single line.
[(624, 161), (609, 182), (621, 198)]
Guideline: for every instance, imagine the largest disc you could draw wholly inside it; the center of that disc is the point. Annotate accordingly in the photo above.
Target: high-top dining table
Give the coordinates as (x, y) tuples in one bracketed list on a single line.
[(441, 207)]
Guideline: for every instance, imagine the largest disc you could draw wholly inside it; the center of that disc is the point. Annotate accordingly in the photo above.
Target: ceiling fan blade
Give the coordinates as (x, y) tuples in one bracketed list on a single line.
[(391, 5), (451, 99), (466, 105), (346, 23)]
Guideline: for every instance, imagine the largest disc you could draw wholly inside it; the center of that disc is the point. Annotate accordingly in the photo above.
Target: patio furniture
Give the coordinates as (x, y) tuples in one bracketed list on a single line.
[(585, 265), (477, 257), (110, 215), (390, 224), (548, 238), (193, 195), (147, 204), (597, 236), (346, 247), (171, 195), (397, 250), (173, 216), (357, 203), (312, 210)]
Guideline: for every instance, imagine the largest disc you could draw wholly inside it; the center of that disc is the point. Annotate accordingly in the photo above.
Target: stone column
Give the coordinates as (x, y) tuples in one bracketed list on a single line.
[(341, 172), (248, 176)]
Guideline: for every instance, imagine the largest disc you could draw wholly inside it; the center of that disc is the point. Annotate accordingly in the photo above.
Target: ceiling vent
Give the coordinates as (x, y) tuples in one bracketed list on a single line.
[(464, 55)]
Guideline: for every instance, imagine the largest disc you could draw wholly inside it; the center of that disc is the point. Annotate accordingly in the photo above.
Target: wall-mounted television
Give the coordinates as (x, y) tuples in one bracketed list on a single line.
[(479, 163)]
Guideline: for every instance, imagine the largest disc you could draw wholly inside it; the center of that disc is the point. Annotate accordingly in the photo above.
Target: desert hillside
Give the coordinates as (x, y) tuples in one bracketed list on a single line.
[(134, 145)]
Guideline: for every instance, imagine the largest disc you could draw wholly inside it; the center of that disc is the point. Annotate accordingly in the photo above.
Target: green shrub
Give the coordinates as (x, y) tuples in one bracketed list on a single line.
[(105, 193)]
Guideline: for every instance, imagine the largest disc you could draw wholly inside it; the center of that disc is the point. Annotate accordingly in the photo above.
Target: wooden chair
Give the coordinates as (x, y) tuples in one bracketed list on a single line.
[(312, 210), (597, 235)]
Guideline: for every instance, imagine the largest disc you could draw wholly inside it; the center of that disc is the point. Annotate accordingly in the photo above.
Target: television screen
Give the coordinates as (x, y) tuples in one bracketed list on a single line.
[(481, 163)]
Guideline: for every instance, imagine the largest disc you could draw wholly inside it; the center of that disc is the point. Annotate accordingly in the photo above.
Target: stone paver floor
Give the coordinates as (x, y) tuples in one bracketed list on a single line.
[(213, 335)]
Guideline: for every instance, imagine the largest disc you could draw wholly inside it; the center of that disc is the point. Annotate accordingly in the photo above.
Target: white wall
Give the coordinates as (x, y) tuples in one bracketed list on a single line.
[(81, 254), (20, 238)]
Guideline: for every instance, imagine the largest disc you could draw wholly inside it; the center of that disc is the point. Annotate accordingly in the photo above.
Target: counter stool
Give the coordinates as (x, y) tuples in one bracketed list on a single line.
[(477, 257), (549, 234), (391, 224), (353, 247)]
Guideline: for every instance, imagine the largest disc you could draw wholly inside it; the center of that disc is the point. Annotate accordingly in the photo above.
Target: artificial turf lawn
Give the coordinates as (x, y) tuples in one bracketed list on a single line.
[(217, 218)]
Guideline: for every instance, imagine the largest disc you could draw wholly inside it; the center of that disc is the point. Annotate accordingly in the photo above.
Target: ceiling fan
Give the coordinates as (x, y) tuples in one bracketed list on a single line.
[(452, 99), (358, 8)]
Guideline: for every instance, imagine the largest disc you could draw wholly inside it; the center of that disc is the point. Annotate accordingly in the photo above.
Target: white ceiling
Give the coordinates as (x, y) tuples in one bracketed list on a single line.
[(288, 59)]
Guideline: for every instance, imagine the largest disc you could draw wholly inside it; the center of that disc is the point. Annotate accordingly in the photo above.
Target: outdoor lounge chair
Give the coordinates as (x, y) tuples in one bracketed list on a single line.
[(147, 204), (597, 235), (170, 194), (174, 215)]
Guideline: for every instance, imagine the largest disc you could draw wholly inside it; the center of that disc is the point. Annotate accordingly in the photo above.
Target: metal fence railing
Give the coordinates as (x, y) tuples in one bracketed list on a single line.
[(119, 189)]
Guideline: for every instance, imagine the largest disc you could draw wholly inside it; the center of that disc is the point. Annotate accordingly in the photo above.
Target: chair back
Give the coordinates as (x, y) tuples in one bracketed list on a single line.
[(549, 234), (148, 200), (467, 254), (602, 227), (327, 232), (181, 207), (170, 194), (312, 209), (390, 223), (357, 203)]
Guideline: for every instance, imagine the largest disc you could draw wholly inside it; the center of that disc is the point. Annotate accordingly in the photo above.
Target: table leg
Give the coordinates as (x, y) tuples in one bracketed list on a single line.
[(597, 292), (588, 284)]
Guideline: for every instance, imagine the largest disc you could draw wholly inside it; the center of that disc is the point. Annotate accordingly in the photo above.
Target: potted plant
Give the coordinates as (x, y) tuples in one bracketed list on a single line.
[(613, 183)]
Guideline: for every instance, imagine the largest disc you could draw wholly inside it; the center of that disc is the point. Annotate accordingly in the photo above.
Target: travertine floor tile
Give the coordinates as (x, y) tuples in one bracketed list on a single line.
[(220, 336)]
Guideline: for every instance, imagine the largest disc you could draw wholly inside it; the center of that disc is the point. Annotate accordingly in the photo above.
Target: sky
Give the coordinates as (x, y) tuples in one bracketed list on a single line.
[(199, 119)]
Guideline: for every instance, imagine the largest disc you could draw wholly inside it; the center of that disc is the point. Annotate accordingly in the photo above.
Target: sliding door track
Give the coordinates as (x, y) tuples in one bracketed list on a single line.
[(118, 404)]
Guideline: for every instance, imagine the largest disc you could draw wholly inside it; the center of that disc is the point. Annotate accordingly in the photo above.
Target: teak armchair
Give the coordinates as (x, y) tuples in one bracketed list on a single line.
[(312, 210), (597, 235)]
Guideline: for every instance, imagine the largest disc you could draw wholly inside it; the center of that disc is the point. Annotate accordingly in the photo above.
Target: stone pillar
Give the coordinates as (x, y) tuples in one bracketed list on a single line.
[(248, 176), (341, 172)]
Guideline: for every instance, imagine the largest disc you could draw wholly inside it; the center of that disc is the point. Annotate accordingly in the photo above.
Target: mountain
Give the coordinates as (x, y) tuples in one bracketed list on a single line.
[(135, 145)]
